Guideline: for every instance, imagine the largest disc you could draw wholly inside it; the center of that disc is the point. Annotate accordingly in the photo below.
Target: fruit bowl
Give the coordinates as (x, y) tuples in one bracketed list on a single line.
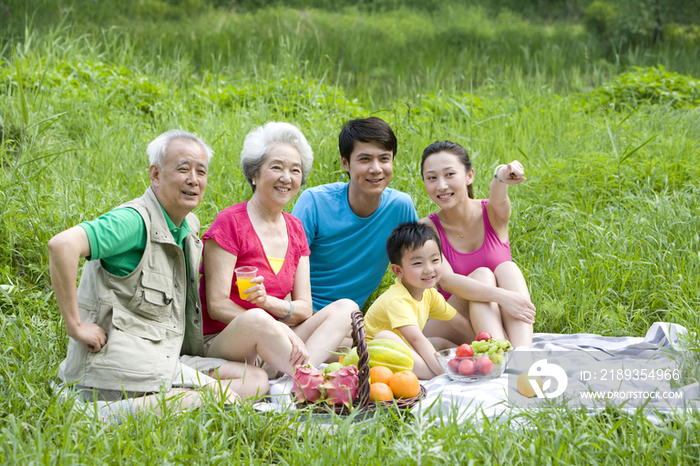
[(470, 372)]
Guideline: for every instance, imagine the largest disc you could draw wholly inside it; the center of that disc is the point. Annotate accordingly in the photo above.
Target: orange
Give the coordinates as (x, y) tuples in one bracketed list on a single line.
[(404, 384), (380, 374), (379, 391)]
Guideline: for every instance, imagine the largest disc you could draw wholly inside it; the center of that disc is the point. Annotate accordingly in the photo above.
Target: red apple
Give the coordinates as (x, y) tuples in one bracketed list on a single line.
[(464, 351), (466, 366), (483, 336), (453, 364), (484, 365)]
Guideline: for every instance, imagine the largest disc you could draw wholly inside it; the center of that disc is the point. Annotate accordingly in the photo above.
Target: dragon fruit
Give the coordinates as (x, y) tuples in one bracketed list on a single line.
[(308, 383), (341, 386)]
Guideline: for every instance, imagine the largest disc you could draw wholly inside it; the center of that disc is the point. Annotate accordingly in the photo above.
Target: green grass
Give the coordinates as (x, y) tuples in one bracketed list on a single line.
[(608, 242)]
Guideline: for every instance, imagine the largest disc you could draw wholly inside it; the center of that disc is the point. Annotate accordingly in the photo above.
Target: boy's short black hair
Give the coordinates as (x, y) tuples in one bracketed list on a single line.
[(366, 130), (408, 237)]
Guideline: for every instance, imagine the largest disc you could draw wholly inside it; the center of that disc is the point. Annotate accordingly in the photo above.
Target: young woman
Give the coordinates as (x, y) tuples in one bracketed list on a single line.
[(475, 242)]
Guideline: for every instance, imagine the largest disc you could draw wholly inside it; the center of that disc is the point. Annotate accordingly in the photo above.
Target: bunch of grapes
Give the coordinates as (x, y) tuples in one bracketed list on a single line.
[(491, 346), (494, 348)]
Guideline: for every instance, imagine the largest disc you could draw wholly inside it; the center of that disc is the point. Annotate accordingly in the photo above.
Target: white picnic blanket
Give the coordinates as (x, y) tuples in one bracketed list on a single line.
[(447, 399), (575, 353)]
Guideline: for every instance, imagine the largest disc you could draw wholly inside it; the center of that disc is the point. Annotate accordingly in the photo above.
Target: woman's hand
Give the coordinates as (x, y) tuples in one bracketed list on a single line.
[(517, 305), (279, 307), (299, 354), (258, 295), (512, 174)]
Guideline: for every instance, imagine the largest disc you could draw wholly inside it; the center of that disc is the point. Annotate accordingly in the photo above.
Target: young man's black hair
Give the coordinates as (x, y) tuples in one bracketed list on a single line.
[(366, 130)]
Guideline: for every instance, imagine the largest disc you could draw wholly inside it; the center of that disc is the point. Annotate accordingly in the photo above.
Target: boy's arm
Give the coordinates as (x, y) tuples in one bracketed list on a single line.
[(423, 347)]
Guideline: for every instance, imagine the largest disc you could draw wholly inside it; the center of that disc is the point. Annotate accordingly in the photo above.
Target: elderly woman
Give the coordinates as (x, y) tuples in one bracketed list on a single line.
[(275, 324)]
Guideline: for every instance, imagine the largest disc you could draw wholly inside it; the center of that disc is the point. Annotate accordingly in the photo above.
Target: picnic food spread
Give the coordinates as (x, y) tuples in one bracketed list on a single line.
[(366, 377)]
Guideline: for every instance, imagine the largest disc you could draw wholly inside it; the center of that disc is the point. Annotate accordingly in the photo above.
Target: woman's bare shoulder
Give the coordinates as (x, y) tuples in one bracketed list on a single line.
[(427, 221)]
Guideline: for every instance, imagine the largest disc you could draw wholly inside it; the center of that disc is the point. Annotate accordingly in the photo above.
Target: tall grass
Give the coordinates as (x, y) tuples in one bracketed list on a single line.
[(380, 56), (607, 245), (454, 47)]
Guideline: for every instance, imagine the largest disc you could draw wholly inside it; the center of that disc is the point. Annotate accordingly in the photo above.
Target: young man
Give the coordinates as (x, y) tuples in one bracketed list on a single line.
[(402, 311), (137, 306), (347, 224)]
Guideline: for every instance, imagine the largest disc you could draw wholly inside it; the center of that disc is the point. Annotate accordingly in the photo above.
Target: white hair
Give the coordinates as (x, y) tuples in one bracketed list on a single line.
[(157, 148), (261, 140)]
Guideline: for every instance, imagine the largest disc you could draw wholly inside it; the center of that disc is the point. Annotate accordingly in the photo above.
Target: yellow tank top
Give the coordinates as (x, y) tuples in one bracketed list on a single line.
[(276, 264)]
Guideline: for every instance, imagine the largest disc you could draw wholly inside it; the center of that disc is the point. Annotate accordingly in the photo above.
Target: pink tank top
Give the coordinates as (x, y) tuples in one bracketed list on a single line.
[(491, 254)]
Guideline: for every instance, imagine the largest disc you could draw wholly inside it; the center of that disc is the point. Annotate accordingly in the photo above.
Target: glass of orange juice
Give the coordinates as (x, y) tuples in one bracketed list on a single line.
[(243, 277)]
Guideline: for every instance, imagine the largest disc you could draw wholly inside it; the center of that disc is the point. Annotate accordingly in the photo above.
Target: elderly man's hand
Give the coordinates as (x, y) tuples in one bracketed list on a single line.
[(92, 335)]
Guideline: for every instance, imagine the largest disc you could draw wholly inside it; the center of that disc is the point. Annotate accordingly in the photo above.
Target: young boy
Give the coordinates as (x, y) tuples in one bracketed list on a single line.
[(402, 311)]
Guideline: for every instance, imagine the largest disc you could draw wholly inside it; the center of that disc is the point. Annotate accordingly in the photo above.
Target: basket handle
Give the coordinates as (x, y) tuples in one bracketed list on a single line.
[(358, 338)]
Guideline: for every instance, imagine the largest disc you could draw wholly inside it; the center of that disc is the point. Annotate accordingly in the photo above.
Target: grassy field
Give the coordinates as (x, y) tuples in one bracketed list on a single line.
[(605, 229)]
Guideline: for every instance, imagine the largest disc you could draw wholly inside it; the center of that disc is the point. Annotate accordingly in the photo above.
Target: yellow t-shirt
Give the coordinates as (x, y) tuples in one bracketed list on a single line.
[(397, 308)]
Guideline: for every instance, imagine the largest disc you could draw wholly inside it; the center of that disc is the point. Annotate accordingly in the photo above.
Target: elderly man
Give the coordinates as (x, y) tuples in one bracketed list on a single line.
[(137, 307)]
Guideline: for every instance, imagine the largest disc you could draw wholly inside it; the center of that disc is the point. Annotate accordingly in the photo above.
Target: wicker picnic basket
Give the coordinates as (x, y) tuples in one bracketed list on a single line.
[(362, 401)]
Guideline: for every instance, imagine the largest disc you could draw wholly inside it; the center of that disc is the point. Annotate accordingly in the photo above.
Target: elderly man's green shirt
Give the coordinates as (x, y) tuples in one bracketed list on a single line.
[(118, 239)]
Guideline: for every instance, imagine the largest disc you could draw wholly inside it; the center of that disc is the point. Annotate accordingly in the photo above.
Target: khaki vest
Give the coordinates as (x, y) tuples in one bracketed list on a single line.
[(144, 314)]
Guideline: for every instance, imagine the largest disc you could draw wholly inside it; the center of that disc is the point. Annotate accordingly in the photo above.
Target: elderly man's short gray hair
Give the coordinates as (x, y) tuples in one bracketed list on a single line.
[(157, 148), (259, 142)]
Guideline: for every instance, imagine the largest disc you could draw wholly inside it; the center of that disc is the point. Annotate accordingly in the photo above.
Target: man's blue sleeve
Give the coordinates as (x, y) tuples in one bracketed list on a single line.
[(409, 209), (414, 213), (305, 210)]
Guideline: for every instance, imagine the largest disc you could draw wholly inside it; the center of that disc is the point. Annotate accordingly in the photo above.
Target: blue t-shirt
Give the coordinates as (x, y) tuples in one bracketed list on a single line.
[(348, 253)]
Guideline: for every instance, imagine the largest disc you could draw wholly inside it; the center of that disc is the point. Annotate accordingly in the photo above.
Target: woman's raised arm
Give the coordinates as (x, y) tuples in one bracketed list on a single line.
[(499, 202)]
